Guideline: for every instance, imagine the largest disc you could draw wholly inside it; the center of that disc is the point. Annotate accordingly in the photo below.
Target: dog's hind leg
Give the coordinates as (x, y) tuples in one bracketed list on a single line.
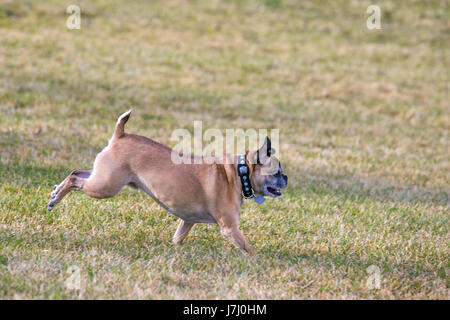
[(182, 231), (74, 181), (93, 184)]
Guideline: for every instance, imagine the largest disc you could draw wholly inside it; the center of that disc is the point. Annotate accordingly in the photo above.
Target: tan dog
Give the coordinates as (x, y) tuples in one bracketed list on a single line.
[(196, 193)]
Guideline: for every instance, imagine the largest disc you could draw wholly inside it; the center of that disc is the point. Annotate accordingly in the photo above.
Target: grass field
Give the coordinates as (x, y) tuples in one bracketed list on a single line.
[(364, 138)]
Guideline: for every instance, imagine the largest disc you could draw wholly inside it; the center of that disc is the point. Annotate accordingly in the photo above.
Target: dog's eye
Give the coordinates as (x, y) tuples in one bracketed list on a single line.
[(268, 171)]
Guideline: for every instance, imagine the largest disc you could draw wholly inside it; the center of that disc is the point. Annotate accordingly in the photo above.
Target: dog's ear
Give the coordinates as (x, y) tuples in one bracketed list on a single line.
[(261, 155)]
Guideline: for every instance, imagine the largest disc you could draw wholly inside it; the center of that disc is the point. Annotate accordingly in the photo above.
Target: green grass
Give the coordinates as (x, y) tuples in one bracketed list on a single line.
[(364, 131)]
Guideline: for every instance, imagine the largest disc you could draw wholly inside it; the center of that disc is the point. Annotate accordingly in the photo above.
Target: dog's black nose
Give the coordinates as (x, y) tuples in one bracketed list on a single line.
[(285, 178)]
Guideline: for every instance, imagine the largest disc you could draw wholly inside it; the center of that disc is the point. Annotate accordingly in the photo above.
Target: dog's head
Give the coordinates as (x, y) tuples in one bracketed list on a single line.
[(267, 173)]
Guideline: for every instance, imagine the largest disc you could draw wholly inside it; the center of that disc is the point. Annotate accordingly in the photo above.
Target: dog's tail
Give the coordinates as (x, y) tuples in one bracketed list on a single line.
[(119, 130)]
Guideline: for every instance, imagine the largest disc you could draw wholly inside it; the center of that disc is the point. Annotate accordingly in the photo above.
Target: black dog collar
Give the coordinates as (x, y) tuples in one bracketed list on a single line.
[(244, 174)]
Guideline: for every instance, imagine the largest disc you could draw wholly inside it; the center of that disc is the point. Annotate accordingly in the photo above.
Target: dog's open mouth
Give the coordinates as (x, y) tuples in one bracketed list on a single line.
[(274, 191)]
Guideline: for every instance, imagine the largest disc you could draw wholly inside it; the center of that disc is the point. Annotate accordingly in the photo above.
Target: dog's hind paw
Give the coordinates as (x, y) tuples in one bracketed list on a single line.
[(53, 195), (54, 192), (50, 205)]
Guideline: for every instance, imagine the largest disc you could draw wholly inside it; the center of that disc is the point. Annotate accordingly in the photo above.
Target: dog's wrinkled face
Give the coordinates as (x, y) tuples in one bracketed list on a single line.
[(267, 175), (268, 179)]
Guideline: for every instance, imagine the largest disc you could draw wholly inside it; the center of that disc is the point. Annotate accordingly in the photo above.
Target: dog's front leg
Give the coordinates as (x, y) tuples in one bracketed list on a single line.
[(236, 237), (182, 231)]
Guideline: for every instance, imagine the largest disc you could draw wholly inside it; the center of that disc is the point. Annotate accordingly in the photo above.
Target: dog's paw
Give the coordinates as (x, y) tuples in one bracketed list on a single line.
[(54, 192), (50, 205), (53, 195), (250, 250)]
